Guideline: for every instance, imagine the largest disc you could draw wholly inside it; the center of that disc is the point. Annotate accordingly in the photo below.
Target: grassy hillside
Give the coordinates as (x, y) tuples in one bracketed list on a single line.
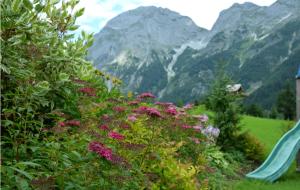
[(268, 132)]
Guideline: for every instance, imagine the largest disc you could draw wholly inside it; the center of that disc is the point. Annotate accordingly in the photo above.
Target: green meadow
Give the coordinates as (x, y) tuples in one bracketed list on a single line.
[(268, 132)]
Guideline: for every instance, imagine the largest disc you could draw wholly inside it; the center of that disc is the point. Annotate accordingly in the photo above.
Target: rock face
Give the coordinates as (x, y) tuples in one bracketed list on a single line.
[(158, 50)]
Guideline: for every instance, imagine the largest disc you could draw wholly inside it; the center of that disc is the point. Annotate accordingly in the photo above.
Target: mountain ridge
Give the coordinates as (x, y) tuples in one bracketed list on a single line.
[(159, 50)]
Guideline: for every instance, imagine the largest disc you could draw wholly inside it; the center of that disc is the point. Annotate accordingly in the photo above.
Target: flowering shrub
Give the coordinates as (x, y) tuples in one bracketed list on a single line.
[(62, 129)]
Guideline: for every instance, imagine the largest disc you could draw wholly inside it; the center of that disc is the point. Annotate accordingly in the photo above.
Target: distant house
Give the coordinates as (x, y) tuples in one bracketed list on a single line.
[(235, 88)]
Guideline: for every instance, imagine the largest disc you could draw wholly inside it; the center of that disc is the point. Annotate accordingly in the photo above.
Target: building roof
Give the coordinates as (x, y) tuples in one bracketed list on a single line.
[(234, 88), (298, 73)]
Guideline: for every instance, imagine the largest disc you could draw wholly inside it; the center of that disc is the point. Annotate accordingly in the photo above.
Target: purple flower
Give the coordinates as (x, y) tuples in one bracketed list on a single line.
[(203, 118), (211, 131), (188, 106)]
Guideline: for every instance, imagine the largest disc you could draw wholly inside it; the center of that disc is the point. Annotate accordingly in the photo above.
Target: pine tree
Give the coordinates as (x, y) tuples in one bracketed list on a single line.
[(286, 102)]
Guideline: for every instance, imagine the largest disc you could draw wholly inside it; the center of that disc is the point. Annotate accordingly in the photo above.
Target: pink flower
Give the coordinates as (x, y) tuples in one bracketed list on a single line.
[(132, 118), (116, 135), (203, 118), (164, 104), (134, 102), (101, 150), (198, 127), (61, 124), (186, 126), (195, 140), (104, 127), (119, 109), (188, 106), (105, 117), (171, 110), (125, 126), (88, 91), (153, 112), (147, 110), (146, 95), (73, 123)]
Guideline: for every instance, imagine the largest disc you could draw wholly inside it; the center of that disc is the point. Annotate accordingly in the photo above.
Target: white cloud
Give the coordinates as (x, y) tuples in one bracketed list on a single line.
[(203, 12)]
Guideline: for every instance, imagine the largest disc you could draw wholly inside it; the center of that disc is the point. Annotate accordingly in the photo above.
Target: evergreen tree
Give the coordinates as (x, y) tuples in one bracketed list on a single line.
[(274, 113), (227, 110), (286, 103)]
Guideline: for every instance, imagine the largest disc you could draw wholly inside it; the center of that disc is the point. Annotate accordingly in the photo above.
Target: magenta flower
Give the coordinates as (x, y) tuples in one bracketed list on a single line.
[(73, 123), (61, 124), (164, 104), (119, 109), (153, 112), (116, 135), (88, 91), (146, 95), (101, 150), (186, 126), (105, 117), (147, 110), (104, 127), (134, 102), (171, 110)]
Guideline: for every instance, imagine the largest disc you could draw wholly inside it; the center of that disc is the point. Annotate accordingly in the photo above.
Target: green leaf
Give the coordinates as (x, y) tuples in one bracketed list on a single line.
[(74, 27), (41, 88), (16, 5), (28, 164), (4, 68), (28, 4), (22, 172), (79, 12)]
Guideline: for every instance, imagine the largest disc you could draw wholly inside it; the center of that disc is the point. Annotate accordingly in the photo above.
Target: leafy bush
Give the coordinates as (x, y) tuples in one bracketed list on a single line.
[(251, 147)]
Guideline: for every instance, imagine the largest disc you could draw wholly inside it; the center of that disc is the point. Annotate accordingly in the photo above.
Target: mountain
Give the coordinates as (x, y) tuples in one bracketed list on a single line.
[(158, 50)]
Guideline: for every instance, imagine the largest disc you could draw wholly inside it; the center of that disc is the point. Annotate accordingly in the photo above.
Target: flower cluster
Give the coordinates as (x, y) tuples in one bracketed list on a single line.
[(88, 91), (147, 110), (132, 118), (116, 135), (133, 102), (164, 104), (101, 150), (211, 131), (119, 109), (104, 127), (146, 95), (75, 123), (188, 106), (171, 110)]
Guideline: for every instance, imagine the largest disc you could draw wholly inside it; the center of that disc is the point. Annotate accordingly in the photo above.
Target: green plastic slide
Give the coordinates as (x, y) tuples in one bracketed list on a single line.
[(281, 157)]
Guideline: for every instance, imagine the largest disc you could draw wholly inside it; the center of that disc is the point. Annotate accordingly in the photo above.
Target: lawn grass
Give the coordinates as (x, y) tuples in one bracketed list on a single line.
[(268, 132)]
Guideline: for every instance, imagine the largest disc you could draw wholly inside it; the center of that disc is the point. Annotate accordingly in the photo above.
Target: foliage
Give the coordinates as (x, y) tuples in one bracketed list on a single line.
[(254, 110), (286, 102), (250, 146), (226, 108)]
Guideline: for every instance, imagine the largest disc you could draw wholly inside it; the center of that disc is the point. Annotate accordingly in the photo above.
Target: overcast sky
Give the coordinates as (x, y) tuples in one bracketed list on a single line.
[(203, 12)]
